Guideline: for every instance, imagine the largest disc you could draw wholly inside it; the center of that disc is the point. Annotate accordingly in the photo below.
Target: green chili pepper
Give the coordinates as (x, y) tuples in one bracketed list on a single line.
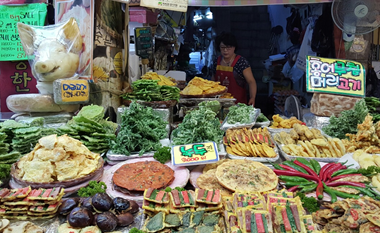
[(306, 162), (344, 195), (308, 188), (316, 165), (291, 184), (293, 179), (330, 192), (294, 166), (277, 166), (344, 172), (362, 190)]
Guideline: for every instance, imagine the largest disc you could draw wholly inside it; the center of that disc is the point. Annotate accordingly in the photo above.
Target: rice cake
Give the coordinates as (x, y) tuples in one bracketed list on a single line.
[(246, 176), (143, 175)]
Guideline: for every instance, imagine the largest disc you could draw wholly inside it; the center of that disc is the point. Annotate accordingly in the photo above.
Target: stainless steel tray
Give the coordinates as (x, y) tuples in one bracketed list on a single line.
[(291, 157)]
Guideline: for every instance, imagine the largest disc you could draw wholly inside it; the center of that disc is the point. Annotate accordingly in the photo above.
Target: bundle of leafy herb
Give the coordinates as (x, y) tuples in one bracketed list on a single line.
[(262, 118), (372, 104), (163, 154), (213, 105), (309, 203), (198, 126), (140, 130), (92, 188), (240, 113), (347, 122), (149, 90), (369, 171)]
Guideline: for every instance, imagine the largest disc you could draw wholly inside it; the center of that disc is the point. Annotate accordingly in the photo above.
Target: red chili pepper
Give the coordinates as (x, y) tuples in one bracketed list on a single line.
[(288, 168), (354, 214), (308, 169), (339, 183), (291, 173), (319, 191), (344, 176), (293, 189), (331, 170), (323, 170)]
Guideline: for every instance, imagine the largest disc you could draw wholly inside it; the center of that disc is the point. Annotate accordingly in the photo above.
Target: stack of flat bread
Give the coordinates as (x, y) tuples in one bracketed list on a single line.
[(328, 104), (19, 227), (237, 175)]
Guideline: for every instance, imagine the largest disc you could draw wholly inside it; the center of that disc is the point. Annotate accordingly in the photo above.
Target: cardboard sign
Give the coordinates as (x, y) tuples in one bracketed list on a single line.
[(15, 78), (334, 76), (32, 14), (173, 5), (195, 154), (74, 91)]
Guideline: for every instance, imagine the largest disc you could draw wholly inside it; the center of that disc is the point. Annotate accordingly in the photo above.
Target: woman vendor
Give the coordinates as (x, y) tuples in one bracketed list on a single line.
[(234, 71)]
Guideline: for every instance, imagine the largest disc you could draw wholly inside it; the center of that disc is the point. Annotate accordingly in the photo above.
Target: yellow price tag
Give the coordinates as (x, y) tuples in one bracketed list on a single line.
[(195, 154), (75, 90)]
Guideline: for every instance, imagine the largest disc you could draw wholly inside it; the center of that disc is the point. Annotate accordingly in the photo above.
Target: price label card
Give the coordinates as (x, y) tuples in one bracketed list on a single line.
[(195, 154), (76, 91), (335, 76), (143, 41)]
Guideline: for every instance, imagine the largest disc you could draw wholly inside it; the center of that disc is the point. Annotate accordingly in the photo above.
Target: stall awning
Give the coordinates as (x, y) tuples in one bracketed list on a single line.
[(250, 2)]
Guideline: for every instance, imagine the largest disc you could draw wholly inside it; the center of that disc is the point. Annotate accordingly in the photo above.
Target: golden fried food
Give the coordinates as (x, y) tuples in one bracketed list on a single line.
[(249, 143), (213, 165), (162, 80), (57, 159), (279, 122), (200, 86), (209, 181)]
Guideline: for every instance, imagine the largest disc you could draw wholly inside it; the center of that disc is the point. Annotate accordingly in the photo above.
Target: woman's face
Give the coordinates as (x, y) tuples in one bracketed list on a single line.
[(226, 50)]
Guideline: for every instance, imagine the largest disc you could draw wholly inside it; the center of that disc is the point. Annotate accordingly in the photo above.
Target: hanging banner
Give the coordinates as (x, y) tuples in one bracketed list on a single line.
[(173, 5), (32, 14), (335, 76)]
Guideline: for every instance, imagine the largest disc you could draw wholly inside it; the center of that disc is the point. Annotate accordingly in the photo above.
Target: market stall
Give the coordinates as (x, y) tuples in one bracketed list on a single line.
[(181, 156)]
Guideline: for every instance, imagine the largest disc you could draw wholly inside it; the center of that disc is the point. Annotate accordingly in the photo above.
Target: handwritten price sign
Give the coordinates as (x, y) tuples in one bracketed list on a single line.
[(195, 154), (75, 91), (342, 77)]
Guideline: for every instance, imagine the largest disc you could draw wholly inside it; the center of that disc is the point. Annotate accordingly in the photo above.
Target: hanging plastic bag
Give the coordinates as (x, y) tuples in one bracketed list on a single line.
[(305, 49), (53, 51)]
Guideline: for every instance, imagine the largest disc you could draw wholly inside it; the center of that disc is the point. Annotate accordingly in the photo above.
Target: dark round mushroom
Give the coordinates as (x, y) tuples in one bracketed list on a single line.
[(121, 205), (134, 207), (80, 217), (68, 205), (102, 202), (106, 221), (125, 219), (87, 203)]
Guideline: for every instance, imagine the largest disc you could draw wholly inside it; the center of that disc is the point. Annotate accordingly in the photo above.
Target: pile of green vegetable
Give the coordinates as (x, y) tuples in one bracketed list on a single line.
[(348, 122), (262, 118), (240, 113), (198, 126), (149, 90), (92, 188), (16, 139), (372, 104), (90, 128), (213, 105), (141, 130), (163, 154)]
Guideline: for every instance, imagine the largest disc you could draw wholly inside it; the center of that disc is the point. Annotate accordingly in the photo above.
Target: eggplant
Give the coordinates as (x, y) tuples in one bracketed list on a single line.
[(134, 207), (102, 202), (125, 219), (68, 205), (80, 217), (87, 203), (106, 221), (121, 205)]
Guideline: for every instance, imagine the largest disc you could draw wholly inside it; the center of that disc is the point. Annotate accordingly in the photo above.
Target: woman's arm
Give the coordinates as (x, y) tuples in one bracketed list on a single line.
[(252, 85)]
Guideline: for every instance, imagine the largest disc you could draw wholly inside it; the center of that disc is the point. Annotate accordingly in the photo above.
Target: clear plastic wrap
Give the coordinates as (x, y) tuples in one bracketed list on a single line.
[(53, 51), (37, 103), (253, 117)]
